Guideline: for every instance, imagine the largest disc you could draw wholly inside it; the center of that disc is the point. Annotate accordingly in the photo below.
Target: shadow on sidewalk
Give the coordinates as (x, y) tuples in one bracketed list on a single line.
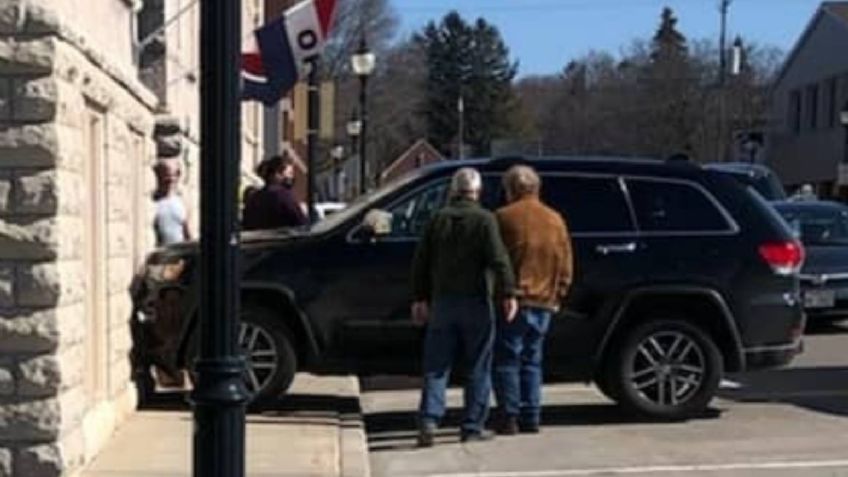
[(397, 430), (300, 406)]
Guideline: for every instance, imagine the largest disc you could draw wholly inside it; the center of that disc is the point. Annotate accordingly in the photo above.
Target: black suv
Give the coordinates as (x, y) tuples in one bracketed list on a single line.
[(682, 274)]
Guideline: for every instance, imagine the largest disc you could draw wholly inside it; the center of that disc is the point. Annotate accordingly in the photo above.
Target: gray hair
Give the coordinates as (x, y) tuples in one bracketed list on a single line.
[(521, 181), (466, 182)]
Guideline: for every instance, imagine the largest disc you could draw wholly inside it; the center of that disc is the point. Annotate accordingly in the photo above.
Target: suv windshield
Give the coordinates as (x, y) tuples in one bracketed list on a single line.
[(819, 226)]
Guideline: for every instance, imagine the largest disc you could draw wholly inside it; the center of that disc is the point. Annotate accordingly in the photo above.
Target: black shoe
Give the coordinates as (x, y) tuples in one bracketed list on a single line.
[(426, 435), (477, 436), (508, 426), (425, 439), (528, 428)]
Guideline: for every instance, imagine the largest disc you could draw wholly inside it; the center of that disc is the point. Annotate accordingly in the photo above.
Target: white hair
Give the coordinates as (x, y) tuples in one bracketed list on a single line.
[(466, 182)]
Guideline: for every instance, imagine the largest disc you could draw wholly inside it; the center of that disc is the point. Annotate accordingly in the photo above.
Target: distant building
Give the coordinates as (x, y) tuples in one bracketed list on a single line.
[(806, 143), (420, 154)]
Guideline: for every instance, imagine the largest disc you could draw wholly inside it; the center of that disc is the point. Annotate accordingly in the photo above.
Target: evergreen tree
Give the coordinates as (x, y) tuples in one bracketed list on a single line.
[(471, 62)]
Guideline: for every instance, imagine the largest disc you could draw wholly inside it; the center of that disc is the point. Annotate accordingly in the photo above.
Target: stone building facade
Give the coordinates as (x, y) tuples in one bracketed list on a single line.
[(76, 128), (169, 61)]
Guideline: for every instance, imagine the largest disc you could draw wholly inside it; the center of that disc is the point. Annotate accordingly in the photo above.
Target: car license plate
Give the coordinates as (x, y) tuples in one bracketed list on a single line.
[(819, 299)]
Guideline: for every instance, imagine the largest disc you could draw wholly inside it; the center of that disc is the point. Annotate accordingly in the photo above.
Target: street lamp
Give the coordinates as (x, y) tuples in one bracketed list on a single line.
[(337, 153), (363, 63), (354, 131)]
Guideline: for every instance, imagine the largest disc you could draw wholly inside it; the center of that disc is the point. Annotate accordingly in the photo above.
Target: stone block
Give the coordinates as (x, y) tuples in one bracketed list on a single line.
[(47, 284), (34, 56), (36, 194), (43, 461), (7, 285), (7, 378), (5, 462), (30, 16), (39, 376), (30, 420), (34, 100), (36, 332), (72, 322), (31, 145), (30, 241)]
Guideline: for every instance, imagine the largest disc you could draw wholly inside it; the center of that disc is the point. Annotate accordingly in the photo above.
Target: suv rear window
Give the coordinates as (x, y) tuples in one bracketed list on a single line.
[(589, 204), (663, 206)]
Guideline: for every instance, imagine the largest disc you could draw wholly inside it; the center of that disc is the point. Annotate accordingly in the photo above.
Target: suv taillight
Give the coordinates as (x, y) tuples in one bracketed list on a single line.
[(784, 258)]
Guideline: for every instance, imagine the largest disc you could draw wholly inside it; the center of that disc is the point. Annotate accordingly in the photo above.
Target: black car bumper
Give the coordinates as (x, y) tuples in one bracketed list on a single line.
[(763, 357), (825, 301)]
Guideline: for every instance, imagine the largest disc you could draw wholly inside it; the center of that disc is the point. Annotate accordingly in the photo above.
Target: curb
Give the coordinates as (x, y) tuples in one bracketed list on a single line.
[(353, 442)]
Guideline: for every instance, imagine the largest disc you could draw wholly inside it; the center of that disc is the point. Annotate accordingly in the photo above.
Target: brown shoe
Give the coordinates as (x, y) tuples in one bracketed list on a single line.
[(508, 426)]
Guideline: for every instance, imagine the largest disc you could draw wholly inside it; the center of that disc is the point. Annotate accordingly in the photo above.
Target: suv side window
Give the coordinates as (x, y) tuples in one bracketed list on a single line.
[(411, 215), (589, 204), (663, 206)]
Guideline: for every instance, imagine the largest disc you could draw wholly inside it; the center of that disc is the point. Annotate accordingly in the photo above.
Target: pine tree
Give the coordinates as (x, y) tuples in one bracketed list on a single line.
[(471, 62)]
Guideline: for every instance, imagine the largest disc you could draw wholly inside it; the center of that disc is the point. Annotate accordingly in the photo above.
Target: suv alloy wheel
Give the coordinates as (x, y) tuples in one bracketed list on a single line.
[(667, 369), (270, 358)]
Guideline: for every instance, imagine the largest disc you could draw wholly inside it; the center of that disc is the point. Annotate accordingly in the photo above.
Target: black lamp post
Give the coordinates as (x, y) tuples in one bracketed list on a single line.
[(219, 395), (354, 131), (363, 63)]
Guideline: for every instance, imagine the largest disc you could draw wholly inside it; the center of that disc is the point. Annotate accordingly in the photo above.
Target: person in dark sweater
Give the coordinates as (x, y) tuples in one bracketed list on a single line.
[(274, 205), (460, 265)]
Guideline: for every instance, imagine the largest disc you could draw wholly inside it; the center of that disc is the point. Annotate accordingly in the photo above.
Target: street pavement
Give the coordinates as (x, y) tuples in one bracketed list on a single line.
[(781, 423), (315, 431)]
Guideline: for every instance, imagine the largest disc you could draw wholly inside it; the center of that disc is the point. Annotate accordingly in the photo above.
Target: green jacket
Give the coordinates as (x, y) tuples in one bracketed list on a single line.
[(461, 254)]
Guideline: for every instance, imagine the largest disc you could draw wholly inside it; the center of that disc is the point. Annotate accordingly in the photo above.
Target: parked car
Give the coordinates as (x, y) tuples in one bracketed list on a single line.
[(758, 176), (682, 274), (823, 228)]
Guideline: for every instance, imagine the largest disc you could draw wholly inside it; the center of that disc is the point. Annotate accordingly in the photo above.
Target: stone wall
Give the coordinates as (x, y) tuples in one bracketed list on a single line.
[(75, 152)]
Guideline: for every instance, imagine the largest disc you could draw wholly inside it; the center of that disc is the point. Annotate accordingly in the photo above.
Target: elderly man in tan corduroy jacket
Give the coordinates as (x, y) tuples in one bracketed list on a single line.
[(539, 247)]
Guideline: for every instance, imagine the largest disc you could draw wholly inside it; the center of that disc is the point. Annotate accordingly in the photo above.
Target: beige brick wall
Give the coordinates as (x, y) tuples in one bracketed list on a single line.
[(58, 405)]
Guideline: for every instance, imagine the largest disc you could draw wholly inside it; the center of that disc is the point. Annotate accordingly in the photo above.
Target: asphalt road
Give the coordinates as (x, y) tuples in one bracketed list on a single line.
[(782, 423)]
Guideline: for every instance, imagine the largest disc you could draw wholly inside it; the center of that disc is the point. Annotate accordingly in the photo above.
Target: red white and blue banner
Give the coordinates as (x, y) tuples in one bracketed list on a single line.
[(284, 48)]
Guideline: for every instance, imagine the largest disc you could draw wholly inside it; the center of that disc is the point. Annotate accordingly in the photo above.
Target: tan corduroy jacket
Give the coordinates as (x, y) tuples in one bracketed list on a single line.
[(539, 246)]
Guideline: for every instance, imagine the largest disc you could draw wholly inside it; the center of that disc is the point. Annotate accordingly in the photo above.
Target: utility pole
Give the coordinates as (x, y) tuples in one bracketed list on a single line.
[(460, 108), (219, 396), (313, 123), (724, 5)]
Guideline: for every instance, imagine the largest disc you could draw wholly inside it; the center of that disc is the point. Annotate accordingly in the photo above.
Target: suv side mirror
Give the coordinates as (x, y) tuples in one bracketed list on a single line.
[(377, 223)]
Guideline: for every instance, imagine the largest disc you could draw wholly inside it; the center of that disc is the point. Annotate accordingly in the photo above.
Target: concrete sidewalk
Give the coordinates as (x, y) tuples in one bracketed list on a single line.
[(315, 431)]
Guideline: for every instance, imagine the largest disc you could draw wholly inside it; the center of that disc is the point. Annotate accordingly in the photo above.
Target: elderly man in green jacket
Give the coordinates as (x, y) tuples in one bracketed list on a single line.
[(460, 265)]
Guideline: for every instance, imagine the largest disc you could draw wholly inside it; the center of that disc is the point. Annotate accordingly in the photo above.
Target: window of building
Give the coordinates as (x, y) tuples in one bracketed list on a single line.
[(589, 204), (831, 106), (675, 207), (795, 111), (812, 107)]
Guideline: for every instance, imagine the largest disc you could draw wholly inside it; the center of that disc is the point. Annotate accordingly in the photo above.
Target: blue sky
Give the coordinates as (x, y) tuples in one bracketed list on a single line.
[(545, 34)]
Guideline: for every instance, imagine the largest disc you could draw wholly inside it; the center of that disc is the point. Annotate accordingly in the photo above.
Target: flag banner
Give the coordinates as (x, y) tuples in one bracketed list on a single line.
[(286, 46)]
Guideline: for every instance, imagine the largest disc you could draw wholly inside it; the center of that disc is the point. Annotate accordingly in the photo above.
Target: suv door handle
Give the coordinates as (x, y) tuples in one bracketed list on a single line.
[(608, 249)]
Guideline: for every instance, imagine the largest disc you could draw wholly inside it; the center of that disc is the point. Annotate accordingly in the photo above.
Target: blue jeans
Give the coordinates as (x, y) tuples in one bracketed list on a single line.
[(518, 364), (466, 324)]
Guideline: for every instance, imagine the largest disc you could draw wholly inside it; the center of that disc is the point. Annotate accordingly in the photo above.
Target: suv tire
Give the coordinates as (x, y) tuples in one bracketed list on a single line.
[(270, 357), (666, 369)]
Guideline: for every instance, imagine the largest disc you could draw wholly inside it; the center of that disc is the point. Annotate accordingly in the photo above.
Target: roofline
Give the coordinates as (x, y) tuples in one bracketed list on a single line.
[(406, 153), (822, 10)]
